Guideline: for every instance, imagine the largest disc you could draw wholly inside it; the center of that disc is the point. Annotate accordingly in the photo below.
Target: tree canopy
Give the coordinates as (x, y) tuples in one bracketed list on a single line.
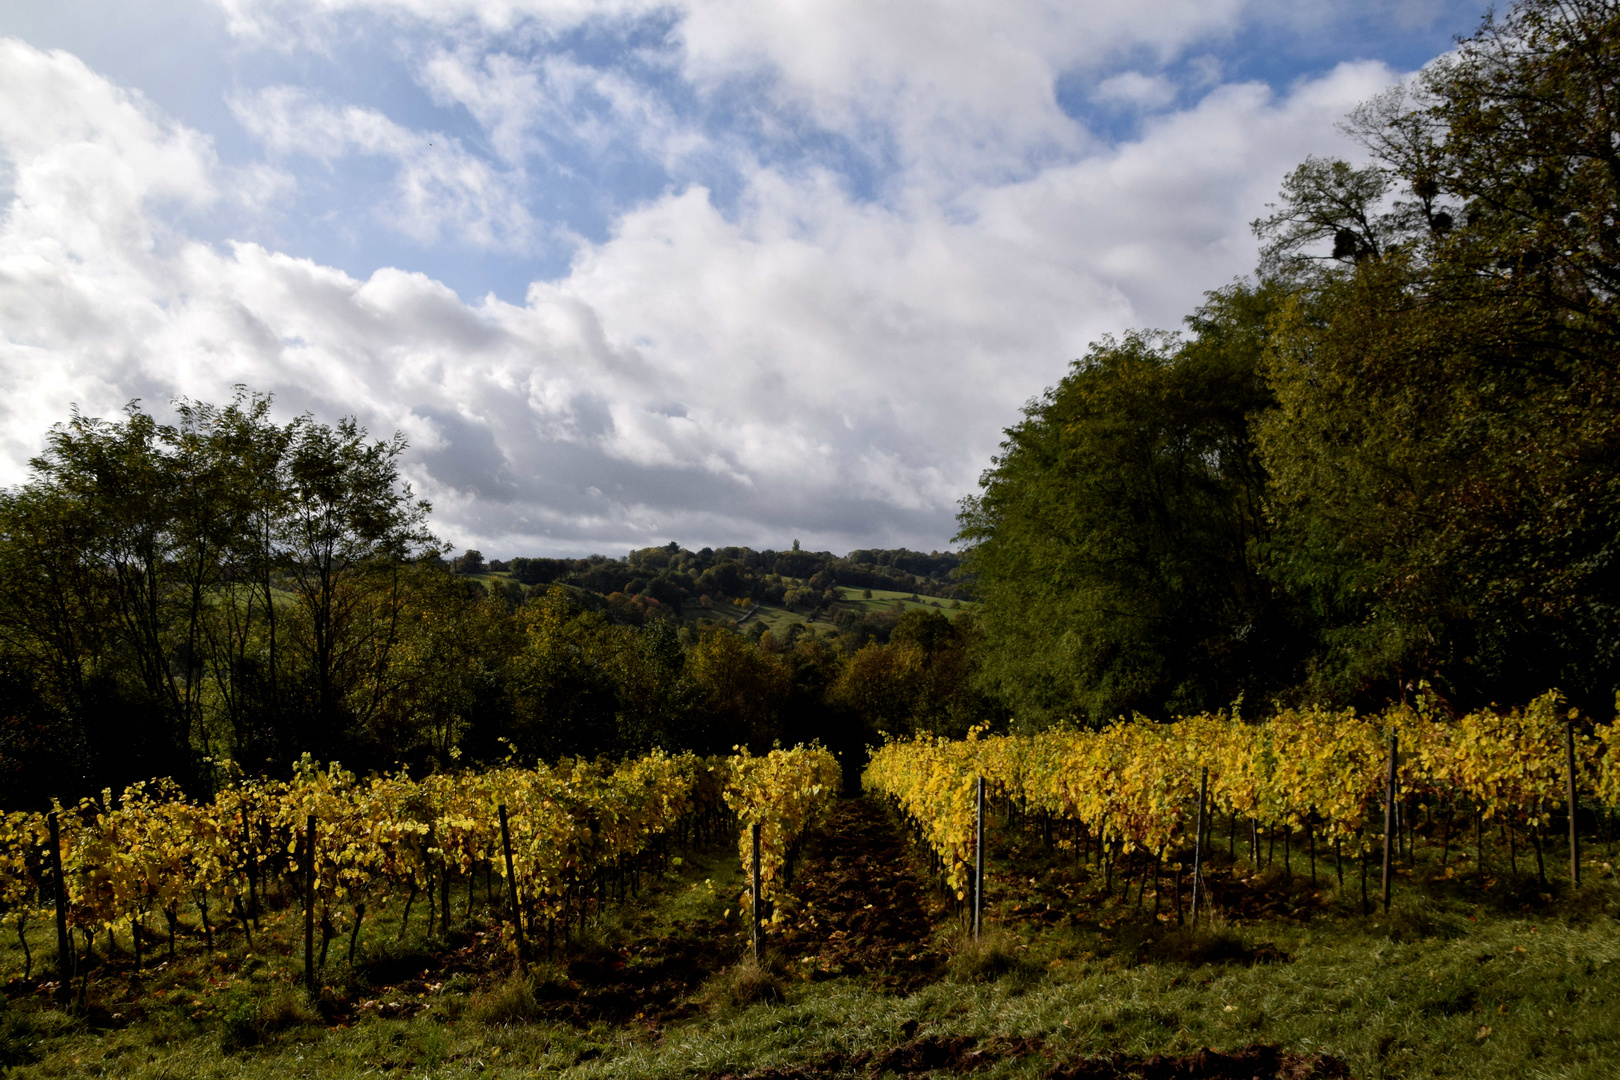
[(1392, 459)]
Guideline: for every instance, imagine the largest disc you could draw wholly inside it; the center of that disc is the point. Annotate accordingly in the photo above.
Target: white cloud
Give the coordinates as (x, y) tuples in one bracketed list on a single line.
[(803, 364), (959, 90), (518, 101), (1136, 89), (441, 190)]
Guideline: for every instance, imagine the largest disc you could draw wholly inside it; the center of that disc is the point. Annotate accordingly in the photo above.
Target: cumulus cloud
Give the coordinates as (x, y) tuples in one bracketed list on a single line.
[(956, 92), (793, 361), (1136, 89), (526, 103), (441, 190), (857, 238)]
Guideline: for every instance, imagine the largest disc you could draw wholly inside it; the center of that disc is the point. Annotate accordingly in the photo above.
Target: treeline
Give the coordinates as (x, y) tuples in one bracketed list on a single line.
[(221, 589), (1391, 457), (674, 577)]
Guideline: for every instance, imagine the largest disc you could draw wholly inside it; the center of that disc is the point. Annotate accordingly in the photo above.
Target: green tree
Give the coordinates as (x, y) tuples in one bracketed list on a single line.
[(566, 701), (219, 585), (455, 640), (1116, 536), (741, 690), (1446, 452)]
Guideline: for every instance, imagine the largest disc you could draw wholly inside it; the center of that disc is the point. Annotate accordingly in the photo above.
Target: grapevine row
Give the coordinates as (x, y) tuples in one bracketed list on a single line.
[(579, 833), (783, 793), (1133, 786)]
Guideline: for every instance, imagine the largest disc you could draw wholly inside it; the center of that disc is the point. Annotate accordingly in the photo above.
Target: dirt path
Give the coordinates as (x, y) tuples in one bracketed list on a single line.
[(862, 908)]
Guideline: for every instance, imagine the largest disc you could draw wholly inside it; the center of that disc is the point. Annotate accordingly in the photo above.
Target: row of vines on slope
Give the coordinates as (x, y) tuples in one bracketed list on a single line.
[(783, 793), (580, 832), (1133, 786)]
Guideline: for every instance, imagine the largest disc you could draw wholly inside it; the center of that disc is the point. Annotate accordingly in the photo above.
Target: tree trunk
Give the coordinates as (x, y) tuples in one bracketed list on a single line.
[(354, 934)]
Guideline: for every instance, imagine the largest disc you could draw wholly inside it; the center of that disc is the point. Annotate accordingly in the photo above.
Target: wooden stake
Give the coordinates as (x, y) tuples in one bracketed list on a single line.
[(1569, 769), (309, 904), (64, 949), (1198, 846), (512, 889), (978, 864), (1389, 814), (754, 898)]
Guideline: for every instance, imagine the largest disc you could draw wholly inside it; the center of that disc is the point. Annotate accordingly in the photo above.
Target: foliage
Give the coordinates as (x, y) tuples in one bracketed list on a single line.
[(222, 583), (783, 792), (1391, 460), (1116, 534), (1443, 455), (1136, 783)]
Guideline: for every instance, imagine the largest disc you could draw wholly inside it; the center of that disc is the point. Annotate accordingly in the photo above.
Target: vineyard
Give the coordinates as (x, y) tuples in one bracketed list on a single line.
[(564, 840), (1312, 776), (592, 917)]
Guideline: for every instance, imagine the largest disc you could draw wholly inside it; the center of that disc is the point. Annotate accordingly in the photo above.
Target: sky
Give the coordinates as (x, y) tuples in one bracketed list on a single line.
[(624, 271)]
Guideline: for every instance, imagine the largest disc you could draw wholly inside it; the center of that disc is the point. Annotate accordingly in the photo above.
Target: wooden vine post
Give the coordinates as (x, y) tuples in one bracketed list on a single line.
[(512, 891), (1569, 783), (1389, 815), (754, 897), (64, 950), (1198, 844), (978, 862), (309, 904)]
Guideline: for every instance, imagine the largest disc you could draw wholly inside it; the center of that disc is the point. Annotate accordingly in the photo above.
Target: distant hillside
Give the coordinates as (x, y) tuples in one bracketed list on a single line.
[(727, 584)]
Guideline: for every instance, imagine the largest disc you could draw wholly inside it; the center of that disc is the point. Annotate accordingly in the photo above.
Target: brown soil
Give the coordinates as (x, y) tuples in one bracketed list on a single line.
[(860, 905), (650, 979), (1257, 1062)]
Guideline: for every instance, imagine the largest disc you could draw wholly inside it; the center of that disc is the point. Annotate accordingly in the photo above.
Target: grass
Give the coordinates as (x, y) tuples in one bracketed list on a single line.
[(777, 618), (1470, 975)]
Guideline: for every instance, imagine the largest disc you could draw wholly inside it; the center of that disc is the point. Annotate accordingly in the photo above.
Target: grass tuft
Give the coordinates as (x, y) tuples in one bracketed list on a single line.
[(1210, 945), (1417, 918), (16, 1032), (249, 1020), (747, 983), (518, 1000), (993, 956)]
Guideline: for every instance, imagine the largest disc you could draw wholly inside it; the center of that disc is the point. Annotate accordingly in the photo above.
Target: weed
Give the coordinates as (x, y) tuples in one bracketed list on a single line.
[(747, 983), (994, 955), (521, 999), (16, 1032), (251, 1016), (1209, 945), (1417, 918)]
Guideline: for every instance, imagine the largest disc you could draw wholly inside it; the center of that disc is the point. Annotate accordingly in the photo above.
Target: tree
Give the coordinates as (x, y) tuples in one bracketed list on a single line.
[(883, 685), (1116, 536), (220, 585), (349, 530), (1446, 451), (740, 691), (455, 639), (565, 697), (536, 571)]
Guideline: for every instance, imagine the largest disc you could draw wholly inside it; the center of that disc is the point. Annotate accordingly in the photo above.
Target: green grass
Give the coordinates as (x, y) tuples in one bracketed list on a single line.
[(1469, 976), (777, 619), (882, 601)]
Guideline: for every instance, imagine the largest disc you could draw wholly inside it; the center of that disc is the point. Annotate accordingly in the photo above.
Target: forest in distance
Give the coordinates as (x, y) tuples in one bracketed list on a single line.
[(1389, 458), (222, 593)]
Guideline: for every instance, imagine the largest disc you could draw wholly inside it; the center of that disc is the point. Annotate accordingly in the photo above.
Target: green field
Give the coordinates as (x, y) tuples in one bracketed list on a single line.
[(778, 619), (870, 975)]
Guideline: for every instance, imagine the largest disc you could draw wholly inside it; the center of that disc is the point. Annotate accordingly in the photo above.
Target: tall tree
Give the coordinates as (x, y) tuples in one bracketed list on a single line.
[(1115, 537), (1446, 451), (348, 529), (216, 586)]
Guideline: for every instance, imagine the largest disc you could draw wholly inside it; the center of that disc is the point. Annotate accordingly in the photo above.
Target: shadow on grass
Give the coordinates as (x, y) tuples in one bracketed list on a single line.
[(1209, 945)]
